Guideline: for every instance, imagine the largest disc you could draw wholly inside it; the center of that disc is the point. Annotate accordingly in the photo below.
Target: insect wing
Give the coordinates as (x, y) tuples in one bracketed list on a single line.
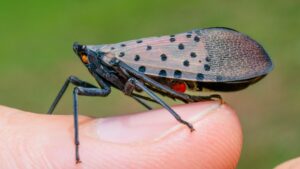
[(212, 54)]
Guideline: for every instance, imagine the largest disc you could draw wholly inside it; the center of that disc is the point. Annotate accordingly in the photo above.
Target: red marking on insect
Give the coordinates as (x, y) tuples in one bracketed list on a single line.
[(179, 87)]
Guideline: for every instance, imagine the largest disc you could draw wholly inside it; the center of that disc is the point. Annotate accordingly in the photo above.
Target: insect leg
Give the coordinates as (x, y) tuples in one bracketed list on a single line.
[(128, 90), (143, 97), (74, 80), (161, 102), (83, 91), (139, 100), (210, 97)]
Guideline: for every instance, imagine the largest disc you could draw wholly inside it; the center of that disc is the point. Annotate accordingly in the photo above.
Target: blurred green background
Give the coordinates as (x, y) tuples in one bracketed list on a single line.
[(36, 40)]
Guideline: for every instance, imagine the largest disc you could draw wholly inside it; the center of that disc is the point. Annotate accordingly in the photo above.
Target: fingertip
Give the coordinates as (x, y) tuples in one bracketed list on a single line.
[(290, 164), (155, 139), (152, 139)]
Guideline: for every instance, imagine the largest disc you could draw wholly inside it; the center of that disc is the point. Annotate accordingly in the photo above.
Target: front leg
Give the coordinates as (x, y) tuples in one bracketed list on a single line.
[(83, 91), (74, 80)]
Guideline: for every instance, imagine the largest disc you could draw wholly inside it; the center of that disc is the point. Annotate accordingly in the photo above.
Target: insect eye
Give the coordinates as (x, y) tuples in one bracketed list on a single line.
[(84, 59)]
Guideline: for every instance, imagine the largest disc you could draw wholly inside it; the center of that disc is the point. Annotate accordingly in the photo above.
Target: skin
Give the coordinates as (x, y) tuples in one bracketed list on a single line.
[(290, 164), (144, 140)]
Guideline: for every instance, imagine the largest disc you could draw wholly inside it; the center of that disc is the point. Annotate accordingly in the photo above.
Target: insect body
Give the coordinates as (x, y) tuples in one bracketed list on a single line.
[(219, 59)]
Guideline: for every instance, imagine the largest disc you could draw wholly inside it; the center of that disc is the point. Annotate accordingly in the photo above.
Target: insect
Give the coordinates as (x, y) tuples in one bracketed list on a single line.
[(219, 59)]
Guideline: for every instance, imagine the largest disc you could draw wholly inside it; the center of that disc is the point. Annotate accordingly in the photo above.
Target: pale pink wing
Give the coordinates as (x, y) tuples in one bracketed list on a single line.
[(213, 54)]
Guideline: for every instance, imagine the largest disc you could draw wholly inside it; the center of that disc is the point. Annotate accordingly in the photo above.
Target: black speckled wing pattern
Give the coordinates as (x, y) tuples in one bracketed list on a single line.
[(206, 55)]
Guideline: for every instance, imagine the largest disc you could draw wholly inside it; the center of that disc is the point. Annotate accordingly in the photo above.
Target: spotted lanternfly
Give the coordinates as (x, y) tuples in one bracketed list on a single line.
[(219, 59)]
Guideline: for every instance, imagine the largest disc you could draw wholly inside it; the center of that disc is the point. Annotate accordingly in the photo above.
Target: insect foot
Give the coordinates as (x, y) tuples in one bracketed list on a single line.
[(190, 126), (217, 97)]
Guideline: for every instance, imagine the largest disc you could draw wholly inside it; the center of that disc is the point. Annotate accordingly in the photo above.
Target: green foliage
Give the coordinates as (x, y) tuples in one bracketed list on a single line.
[(36, 57)]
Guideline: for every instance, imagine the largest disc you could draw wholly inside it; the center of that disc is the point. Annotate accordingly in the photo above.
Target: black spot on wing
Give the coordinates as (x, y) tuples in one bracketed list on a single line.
[(206, 67), (208, 59), (137, 57), (200, 76), (162, 73), (142, 69), (186, 63), (193, 54), (196, 39), (163, 57), (177, 74), (172, 39), (219, 78), (121, 54), (181, 46), (149, 47)]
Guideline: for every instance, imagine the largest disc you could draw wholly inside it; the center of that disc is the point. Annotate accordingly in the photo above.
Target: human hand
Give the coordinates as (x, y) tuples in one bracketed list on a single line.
[(152, 139)]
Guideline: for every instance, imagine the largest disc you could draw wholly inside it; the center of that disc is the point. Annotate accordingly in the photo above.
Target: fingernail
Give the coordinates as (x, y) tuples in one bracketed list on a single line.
[(149, 126)]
